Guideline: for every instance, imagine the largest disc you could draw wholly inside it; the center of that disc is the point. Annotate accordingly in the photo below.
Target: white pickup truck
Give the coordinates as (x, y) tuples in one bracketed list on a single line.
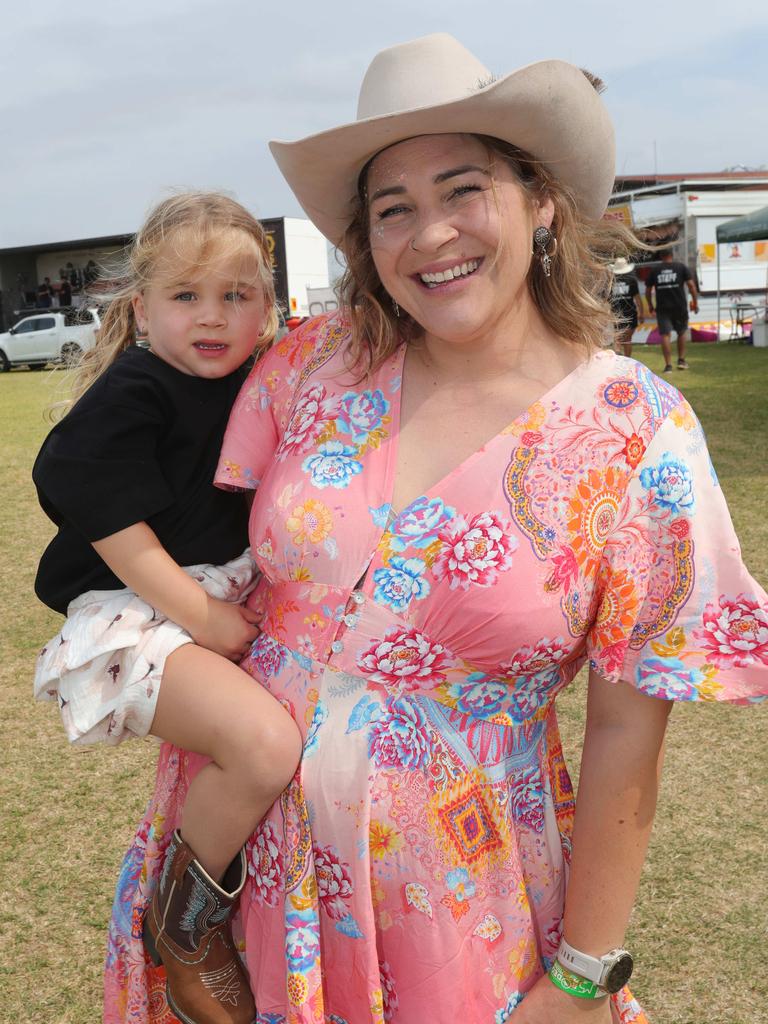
[(49, 336)]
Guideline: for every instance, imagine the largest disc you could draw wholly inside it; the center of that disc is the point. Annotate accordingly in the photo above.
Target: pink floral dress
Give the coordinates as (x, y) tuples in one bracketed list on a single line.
[(416, 868)]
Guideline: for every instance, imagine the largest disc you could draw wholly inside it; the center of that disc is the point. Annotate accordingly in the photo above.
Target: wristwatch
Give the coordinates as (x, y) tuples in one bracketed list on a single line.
[(610, 972)]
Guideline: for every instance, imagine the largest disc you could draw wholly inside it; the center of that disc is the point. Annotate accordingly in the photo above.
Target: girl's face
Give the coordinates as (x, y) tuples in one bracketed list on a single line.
[(208, 325), (451, 236)]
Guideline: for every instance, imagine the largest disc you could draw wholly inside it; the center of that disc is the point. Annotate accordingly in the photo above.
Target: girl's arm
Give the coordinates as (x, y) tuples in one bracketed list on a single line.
[(137, 557), (618, 786)]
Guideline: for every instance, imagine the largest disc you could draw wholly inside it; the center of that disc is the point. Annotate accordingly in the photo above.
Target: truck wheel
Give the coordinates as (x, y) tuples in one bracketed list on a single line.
[(70, 353), (5, 363)]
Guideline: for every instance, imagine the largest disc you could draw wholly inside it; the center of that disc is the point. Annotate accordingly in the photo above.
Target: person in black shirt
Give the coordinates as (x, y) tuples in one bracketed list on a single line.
[(669, 282), (44, 298), (626, 304), (127, 478)]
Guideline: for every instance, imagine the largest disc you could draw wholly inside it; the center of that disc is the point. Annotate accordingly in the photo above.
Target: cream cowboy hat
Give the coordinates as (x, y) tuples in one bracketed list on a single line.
[(621, 266), (434, 85)]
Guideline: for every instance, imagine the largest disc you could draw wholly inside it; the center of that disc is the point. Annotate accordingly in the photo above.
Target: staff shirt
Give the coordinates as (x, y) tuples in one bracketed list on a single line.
[(669, 281)]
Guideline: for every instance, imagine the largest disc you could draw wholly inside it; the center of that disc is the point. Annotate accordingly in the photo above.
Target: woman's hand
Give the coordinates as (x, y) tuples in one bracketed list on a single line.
[(227, 629), (547, 1004)]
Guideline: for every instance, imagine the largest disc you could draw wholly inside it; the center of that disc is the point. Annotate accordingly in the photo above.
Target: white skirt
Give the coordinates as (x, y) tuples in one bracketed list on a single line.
[(104, 667)]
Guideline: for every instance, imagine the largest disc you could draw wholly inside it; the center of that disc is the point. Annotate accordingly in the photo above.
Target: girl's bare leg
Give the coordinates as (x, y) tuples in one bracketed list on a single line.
[(210, 706)]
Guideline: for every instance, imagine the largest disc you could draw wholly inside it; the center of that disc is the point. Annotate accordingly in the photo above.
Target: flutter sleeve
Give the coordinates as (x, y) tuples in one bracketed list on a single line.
[(252, 435), (676, 612)]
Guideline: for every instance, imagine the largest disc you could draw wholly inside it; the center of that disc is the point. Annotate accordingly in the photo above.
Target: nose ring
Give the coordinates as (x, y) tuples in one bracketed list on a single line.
[(413, 247)]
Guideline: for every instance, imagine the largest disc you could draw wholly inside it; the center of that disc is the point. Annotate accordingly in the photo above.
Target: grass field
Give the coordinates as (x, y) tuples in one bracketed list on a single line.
[(700, 925)]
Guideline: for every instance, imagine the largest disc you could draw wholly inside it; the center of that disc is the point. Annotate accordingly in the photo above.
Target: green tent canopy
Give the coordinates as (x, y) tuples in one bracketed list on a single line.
[(745, 229)]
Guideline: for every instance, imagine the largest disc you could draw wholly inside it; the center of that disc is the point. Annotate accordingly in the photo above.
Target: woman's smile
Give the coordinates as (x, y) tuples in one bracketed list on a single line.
[(440, 276)]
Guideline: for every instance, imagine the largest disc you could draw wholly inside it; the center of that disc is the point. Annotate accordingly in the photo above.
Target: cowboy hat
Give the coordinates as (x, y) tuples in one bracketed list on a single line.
[(432, 86), (621, 266)]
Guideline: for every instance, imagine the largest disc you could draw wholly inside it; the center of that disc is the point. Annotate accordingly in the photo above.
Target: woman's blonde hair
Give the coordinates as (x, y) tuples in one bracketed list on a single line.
[(183, 236), (573, 301)]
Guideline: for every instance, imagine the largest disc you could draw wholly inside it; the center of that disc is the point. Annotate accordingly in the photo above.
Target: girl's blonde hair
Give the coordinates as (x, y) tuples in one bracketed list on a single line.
[(182, 237), (573, 301)]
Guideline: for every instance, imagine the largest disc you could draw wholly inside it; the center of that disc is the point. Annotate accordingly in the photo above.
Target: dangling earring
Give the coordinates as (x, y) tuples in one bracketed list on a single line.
[(542, 239), (396, 308)]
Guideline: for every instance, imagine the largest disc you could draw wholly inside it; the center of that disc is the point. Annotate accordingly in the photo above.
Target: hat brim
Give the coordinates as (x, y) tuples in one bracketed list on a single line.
[(549, 109)]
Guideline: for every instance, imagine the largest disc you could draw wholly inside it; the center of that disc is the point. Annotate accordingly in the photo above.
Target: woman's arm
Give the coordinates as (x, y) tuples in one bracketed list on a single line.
[(618, 786), (137, 557)]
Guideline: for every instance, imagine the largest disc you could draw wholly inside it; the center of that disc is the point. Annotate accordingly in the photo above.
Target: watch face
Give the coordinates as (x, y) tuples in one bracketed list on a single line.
[(619, 973)]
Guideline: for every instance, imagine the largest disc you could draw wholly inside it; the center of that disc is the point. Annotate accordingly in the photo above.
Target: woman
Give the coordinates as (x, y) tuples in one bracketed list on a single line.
[(626, 304), (460, 501)]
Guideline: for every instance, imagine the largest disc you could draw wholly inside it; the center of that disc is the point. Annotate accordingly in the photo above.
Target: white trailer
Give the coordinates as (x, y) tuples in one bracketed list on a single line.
[(299, 255), (695, 208), (321, 300)]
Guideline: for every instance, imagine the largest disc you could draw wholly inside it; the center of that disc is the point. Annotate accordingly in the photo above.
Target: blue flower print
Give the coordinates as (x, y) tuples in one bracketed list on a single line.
[(268, 655), (668, 678), (529, 693), (459, 882), (504, 1014), (320, 716), (361, 413), (302, 939), (333, 466), (398, 738), (479, 695), (399, 582), (417, 525), (527, 799), (380, 515), (670, 484)]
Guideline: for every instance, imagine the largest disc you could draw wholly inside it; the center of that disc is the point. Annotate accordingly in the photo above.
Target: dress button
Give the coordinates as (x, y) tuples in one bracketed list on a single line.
[(357, 597), (337, 646), (351, 620)]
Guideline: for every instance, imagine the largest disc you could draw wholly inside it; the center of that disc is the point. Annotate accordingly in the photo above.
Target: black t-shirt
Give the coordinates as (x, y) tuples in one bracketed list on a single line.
[(624, 289), (142, 444), (669, 281)]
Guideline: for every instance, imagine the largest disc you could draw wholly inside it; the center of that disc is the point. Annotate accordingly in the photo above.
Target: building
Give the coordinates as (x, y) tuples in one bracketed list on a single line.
[(23, 268), (298, 252), (683, 211)]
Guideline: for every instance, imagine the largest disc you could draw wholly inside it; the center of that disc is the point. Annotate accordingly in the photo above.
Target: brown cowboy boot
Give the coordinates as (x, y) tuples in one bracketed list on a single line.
[(187, 930)]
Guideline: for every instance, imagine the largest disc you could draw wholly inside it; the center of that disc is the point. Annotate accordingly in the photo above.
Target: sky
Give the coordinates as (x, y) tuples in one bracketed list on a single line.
[(105, 107)]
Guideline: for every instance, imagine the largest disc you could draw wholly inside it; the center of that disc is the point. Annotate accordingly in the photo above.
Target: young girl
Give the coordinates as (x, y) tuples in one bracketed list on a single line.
[(148, 646)]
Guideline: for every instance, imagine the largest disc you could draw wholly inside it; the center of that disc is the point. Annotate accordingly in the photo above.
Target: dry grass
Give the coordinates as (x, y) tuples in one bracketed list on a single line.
[(700, 923)]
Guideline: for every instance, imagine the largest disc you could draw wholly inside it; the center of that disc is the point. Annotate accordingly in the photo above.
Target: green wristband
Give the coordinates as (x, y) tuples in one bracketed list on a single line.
[(572, 983)]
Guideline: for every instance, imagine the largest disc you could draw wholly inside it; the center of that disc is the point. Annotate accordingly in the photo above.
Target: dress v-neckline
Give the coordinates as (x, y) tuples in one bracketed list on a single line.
[(468, 460)]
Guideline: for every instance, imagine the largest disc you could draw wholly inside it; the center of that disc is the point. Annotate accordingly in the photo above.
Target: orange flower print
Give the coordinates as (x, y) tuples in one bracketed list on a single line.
[(683, 416), (384, 840), (311, 522), (618, 610), (592, 511), (634, 450), (531, 420)]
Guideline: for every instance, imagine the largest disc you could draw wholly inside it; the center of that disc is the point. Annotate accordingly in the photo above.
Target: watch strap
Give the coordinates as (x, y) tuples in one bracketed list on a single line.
[(589, 967), (574, 984)]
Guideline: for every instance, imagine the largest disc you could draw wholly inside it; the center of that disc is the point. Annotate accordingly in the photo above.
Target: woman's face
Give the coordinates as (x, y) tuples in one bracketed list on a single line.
[(451, 235)]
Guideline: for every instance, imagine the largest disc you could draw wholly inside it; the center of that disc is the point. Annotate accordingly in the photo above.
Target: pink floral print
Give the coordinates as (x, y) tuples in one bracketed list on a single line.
[(415, 870)]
